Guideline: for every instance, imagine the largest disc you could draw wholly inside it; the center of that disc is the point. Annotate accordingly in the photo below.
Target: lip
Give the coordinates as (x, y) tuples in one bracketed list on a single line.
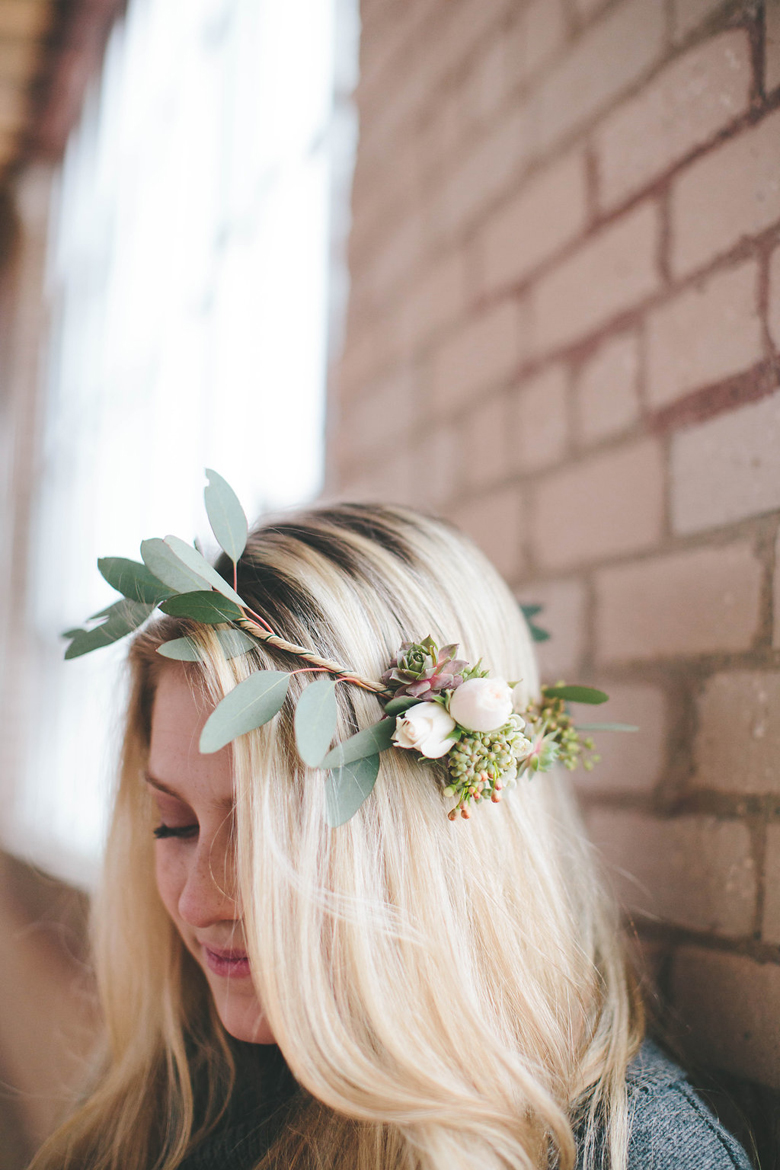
[(230, 964)]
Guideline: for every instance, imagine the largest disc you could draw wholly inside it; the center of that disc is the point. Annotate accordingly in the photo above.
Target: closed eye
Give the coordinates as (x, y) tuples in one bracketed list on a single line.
[(175, 831)]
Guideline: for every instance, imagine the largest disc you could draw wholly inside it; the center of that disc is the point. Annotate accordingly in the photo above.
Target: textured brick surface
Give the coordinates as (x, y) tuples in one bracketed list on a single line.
[(606, 395), (608, 275), (608, 504), (613, 53), (694, 871), (776, 598), (540, 424), (772, 45), (732, 1006), (563, 617), (495, 522), (537, 34), (693, 602), (631, 761), (693, 98), (738, 741), (484, 442), (487, 171), (774, 298), (548, 212), (727, 468), (688, 14), (435, 302), (476, 357), (706, 333), (771, 925), (728, 194)]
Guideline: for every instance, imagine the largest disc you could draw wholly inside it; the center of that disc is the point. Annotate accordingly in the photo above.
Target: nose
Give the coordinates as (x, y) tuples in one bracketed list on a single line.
[(208, 893)]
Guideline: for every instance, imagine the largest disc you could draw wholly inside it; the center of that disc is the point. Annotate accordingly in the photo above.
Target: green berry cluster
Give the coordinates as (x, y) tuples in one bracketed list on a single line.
[(483, 762), (554, 723)]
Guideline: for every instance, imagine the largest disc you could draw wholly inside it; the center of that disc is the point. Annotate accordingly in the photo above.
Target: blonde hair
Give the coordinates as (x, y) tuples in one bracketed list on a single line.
[(446, 995)]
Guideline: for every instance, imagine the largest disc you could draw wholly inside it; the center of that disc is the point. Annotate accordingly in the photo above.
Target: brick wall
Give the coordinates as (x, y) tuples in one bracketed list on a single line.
[(563, 334)]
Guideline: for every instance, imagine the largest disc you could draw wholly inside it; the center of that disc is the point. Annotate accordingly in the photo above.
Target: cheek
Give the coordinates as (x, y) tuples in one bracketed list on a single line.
[(171, 875)]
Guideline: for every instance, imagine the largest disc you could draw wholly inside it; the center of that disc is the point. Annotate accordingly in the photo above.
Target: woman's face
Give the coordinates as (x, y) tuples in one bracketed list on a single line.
[(194, 853)]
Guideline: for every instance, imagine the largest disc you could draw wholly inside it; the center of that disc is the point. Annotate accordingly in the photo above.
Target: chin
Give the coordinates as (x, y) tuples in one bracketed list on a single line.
[(242, 1017)]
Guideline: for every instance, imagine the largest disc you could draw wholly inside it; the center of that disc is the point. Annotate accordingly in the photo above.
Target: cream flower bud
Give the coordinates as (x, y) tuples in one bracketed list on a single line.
[(520, 697), (481, 704), (425, 727)]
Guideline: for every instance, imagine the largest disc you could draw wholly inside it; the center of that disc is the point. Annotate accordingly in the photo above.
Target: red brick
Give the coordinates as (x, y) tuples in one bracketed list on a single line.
[(587, 7), (486, 84), (696, 872), (437, 300), (563, 617), (487, 171), (704, 334), (612, 55), (398, 258), (495, 523), (546, 214), (540, 424), (467, 21), (730, 193), (611, 273), (485, 450), (687, 104), (738, 741), (360, 362), (774, 298), (535, 37), (608, 504), (606, 397), (771, 926), (480, 355), (631, 761), (689, 14), (727, 468), (776, 596), (696, 602), (772, 45), (731, 1004), (439, 476), (439, 139)]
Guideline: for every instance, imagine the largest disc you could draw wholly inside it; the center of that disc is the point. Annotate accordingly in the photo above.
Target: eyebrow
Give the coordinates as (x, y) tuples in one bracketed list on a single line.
[(155, 783)]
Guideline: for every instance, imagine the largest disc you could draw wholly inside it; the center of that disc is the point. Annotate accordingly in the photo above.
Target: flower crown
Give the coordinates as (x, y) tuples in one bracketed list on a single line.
[(489, 730)]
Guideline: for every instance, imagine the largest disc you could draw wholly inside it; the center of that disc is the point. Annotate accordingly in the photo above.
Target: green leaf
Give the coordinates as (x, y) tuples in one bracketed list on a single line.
[(162, 562), (73, 633), (537, 633), (202, 605), (315, 721), (347, 787), (198, 564), (249, 705), (226, 516), (530, 611), (122, 618), (605, 727), (401, 704), (133, 579), (233, 642), (376, 738), (576, 694)]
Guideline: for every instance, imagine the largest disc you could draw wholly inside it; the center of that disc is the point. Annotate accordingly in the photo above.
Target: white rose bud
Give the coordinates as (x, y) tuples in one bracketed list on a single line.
[(482, 704), (425, 728), (520, 697)]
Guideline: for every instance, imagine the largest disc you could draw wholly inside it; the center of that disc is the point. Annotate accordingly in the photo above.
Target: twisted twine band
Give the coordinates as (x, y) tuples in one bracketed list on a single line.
[(309, 656)]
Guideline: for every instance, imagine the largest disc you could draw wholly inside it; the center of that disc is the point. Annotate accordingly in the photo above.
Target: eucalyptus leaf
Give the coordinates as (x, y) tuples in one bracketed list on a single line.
[(401, 704), (122, 618), (606, 727), (198, 564), (202, 605), (249, 705), (347, 787), (315, 721), (537, 633), (376, 738), (530, 611), (133, 579), (233, 642), (226, 516), (162, 562), (576, 694)]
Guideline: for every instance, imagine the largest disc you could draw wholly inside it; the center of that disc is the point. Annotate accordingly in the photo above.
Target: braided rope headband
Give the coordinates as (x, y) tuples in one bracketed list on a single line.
[(491, 731)]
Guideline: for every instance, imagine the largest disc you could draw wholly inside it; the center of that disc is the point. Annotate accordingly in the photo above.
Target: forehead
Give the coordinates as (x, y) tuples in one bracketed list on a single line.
[(179, 712)]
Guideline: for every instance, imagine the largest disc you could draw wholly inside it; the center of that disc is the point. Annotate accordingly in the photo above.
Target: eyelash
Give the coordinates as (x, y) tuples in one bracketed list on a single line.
[(182, 831)]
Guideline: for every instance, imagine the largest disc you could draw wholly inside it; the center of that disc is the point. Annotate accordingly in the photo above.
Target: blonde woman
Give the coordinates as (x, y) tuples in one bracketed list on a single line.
[(403, 992)]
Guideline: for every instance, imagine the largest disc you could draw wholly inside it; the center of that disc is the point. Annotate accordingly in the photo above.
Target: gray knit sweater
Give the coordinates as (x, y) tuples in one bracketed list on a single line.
[(671, 1128)]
